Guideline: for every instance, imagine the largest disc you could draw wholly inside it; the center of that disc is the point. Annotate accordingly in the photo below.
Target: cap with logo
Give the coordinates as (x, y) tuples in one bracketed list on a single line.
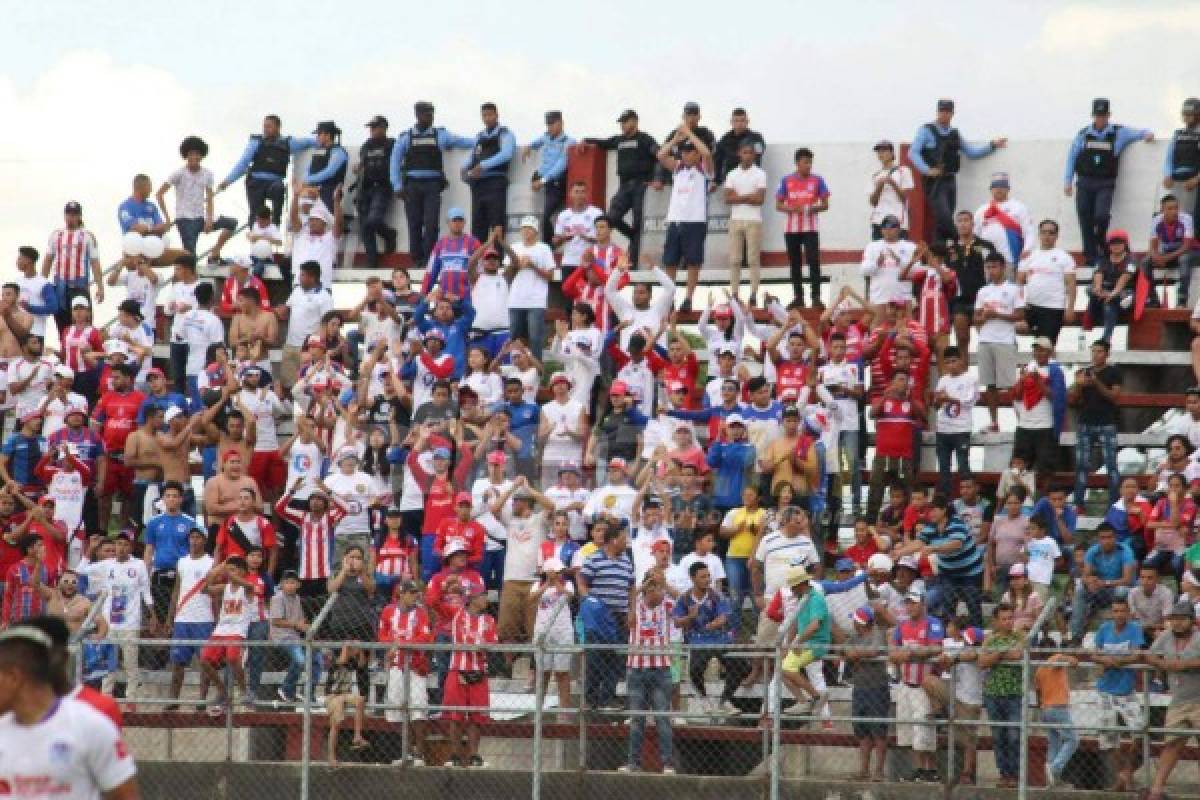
[(378, 121), (999, 181), (1101, 106), (423, 107), (735, 419), (864, 615), (529, 221), (884, 144), (691, 107), (553, 116)]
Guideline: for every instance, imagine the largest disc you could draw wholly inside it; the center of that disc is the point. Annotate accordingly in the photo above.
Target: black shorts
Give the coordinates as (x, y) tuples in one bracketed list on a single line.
[(870, 703), (964, 307), (1038, 447), (685, 244)]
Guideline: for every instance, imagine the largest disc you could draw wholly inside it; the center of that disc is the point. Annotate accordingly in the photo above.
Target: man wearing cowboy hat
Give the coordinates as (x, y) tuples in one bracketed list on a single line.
[(813, 635)]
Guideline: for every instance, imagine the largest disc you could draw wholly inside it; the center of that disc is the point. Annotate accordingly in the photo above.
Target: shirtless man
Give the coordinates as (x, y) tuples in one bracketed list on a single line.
[(237, 434), (144, 456), (253, 327), (73, 607), (15, 322), (175, 443), (221, 494)]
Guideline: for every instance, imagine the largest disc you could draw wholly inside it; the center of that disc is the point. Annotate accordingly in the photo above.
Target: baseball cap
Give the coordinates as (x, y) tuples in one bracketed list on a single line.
[(844, 565), (910, 561), (560, 377), (553, 116), (735, 419), (377, 121), (1183, 608), (72, 207), (290, 574), (1191, 105), (999, 180), (529, 221), (230, 453), (726, 350), (691, 107), (890, 221), (172, 413), (1119, 235), (628, 113), (328, 126), (155, 372), (441, 452), (456, 213), (423, 107), (410, 586), (880, 561), (434, 333), (723, 311), (497, 457), (347, 453), (394, 511), (314, 341), (453, 546), (973, 636), (797, 575), (864, 615), (463, 497), (676, 386), (619, 388), (1100, 105), (63, 371), (491, 252), (661, 545), (617, 462), (569, 467), (1016, 571), (552, 564), (915, 596), (80, 302), (884, 144), (76, 409), (1043, 342), (945, 104), (34, 413)]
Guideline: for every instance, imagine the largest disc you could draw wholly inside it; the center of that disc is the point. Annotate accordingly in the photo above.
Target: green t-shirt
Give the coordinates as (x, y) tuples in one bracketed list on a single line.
[(1004, 678), (813, 608)]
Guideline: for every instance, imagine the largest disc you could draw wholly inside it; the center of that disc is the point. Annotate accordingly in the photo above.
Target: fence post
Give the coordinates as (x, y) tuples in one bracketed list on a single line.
[(1148, 771), (952, 732), (583, 670), (406, 721), (773, 702), (1026, 669), (539, 697), (306, 720)]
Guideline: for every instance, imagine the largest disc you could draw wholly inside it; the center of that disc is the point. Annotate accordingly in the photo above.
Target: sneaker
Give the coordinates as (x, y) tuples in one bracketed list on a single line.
[(216, 711), (668, 769), (728, 708), (1051, 778), (416, 761), (477, 762), (453, 761), (284, 696)]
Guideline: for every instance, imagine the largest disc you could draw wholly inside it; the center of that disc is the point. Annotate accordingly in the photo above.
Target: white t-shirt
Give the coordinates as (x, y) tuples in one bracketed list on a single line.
[(641, 544), (1045, 284), (562, 497), (180, 294), (1042, 414), (746, 181), (890, 201), (525, 535), (76, 753), (689, 195), (39, 373), (56, 412), (234, 619), (488, 385), (200, 328), (489, 295), (265, 405), (195, 604), (31, 293), (580, 350), (322, 249), (991, 230), (128, 588), (483, 494), (141, 335), (616, 501), (190, 191), (778, 553), (547, 621), (847, 375), (1042, 553), (1006, 299), (143, 291), (716, 569), (882, 262), (68, 491), (307, 308), (963, 388), (354, 490), (581, 227), (304, 461), (528, 289), (563, 418), (530, 380)]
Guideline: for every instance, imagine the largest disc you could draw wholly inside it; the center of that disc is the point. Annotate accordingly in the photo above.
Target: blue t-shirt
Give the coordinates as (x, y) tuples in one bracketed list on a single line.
[(23, 454), (131, 212), (1109, 566), (712, 606), (169, 535), (524, 425), (1110, 641)]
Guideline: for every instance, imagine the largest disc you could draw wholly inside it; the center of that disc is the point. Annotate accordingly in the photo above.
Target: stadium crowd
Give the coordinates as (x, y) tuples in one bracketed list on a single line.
[(612, 476)]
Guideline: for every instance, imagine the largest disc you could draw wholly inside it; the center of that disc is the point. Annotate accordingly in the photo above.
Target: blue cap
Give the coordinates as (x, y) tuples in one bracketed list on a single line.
[(441, 452), (456, 213), (844, 565), (346, 396)]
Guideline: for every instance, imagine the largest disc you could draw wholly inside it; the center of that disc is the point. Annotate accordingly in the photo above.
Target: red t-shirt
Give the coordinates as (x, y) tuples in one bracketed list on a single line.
[(894, 428), (859, 554), (791, 375), (470, 532), (118, 413), (685, 373)]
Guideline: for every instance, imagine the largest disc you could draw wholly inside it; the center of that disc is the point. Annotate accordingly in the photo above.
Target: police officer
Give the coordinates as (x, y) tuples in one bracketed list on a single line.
[(550, 177), (419, 177), (487, 173), (637, 157), (265, 163), (327, 167), (937, 150), (725, 156), (691, 115), (1092, 163), (375, 190), (1183, 156)]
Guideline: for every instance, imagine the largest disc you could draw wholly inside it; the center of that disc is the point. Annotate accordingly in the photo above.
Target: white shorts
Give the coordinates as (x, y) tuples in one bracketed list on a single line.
[(997, 365), (1119, 710), (912, 705), (555, 662), (418, 695)]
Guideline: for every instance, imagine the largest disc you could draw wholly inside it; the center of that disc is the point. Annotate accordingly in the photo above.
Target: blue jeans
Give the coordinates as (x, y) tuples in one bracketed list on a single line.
[(649, 689), (848, 458), (529, 324), (1107, 312), (492, 571), (1061, 743), (430, 563), (737, 575), (952, 445), (255, 656), (1084, 439), (295, 654), (945, 593), (1006, 740)]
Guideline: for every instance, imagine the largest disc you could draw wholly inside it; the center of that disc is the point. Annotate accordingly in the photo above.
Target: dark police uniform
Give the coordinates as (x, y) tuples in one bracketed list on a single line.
[(725, 156), (320, 159), (941, 191), (637, 157), (489, 192), (271, 158), (375, 195), (1185, 154), (1096, 179)]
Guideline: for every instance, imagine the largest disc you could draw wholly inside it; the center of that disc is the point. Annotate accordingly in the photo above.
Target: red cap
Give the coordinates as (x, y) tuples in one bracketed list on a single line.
[(1119, 235), (661, 545), (497, 457), (150, 373), (619, 388), (723, 312), (676, 386), (616, 462), (490, 253), (315, 341), (230, 453), (463, 497)]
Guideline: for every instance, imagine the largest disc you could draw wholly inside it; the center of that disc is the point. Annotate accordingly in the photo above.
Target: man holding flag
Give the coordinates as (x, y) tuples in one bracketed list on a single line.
[(1005, 223)]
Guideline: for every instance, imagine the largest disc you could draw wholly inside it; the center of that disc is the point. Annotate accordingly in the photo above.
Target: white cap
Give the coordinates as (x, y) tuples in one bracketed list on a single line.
[(552, 564), (63, 371), (321, 212), (881, 562), (114, 346), (80, 302), (172, 413), (529, 221)]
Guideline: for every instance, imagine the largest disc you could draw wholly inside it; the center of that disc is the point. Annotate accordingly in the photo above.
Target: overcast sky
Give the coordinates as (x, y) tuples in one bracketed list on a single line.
[(94, 92)]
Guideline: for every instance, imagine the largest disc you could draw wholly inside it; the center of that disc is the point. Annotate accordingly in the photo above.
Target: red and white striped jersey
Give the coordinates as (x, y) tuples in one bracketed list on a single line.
[(76, 341), (471, 630), (651, 629), (406, 626), (72, 251), (393, 557), (256, 602), (316, 537)]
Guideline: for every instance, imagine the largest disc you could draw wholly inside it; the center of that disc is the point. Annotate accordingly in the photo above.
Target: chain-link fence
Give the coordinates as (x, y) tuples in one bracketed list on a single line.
[(457, 712)]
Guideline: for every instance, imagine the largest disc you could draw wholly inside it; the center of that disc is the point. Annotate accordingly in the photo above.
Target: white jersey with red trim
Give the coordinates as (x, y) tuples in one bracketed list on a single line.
[(472, 630), (234, 619), (651, 629), (193, 603), (74, 753), (72, 252)]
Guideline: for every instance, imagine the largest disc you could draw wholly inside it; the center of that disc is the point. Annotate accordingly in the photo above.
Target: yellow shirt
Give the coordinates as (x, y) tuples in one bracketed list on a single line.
[(746, 526)]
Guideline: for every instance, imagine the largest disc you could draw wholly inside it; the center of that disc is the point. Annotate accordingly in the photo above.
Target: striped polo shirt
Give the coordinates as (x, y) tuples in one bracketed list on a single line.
[(609, 579), (966, 561)]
